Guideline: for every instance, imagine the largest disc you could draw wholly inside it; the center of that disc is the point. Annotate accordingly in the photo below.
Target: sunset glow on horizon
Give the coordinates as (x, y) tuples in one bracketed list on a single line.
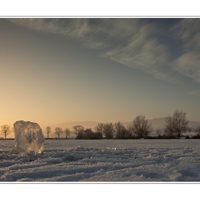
[(104, 70)]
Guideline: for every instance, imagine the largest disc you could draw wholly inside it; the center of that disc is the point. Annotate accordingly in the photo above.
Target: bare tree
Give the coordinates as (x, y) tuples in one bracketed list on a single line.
[(140, 127), (67, 133), (79, 131), (108, 130), (120, 131), (89, 134), (99, 128), (48, 131), (5, 129), (176, 124), (58, 131), (78, 128), (169, 127)]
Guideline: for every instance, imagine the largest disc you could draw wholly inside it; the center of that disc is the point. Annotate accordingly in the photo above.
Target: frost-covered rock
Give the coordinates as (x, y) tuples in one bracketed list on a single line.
[(28, 137)]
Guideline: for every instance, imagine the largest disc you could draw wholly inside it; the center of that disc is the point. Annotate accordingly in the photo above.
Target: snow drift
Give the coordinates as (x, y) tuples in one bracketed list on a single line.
[(174, 160)]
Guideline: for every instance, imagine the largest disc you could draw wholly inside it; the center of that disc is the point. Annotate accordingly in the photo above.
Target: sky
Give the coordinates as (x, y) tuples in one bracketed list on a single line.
[(55, 70)]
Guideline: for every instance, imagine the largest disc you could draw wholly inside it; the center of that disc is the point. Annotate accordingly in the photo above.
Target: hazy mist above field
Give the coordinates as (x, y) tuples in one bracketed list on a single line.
[(100, 69)]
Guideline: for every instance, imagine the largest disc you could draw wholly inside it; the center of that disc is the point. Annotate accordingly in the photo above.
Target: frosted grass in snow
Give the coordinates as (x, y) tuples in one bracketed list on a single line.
[(104, 160)]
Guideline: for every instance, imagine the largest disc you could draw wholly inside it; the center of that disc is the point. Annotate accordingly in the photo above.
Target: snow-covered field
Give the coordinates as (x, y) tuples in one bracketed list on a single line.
[(104, 160)]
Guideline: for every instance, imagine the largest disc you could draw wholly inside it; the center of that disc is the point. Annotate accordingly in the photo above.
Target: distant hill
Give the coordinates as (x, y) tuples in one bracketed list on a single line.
[(157, 123), (70, 125)]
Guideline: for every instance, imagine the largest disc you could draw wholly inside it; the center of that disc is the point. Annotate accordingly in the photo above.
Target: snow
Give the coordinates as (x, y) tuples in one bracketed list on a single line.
[(28, 137), (103, 161)]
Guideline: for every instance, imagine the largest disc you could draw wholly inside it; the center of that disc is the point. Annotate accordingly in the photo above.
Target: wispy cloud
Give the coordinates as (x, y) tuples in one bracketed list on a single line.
[(144, 52), (70, 27), (188, 65), (188, 30), (195, 93), (136, 43)]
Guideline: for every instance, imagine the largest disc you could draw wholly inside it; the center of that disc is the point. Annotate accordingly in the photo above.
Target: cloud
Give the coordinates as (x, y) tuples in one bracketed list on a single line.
[(140, 44), (69, 27), (187, 64), (143, 51), (188, 30), (194, 92)]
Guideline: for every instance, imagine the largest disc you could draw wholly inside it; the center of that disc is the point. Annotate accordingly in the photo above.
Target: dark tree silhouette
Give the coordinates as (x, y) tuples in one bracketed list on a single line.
[(5, 130), (108, 131), (78, 128), (120, 131), (99, 128), (67, 133), (88, 134), (58, 131), (48, 131), (176, 124), (140, 127), (79, 131)]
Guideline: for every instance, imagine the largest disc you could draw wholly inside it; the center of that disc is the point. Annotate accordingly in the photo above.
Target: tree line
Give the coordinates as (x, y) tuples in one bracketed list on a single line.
[(175, 126)]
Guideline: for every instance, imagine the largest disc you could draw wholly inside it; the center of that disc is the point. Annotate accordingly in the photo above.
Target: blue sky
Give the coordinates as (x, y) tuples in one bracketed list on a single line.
[(100, 69)]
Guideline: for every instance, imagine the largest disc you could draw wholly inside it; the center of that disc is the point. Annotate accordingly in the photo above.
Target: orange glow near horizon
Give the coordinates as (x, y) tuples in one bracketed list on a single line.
[(50, 78)]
